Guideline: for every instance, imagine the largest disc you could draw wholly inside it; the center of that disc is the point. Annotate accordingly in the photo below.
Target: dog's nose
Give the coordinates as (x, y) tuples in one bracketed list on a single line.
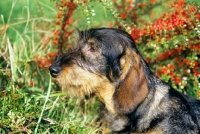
[(54, 70)]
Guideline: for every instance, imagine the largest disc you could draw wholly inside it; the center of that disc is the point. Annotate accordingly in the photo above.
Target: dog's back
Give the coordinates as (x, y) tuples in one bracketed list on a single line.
[(194, 107), (185, 118)]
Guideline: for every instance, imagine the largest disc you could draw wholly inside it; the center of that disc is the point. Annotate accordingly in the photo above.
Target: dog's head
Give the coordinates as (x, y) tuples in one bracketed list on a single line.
[(105, 62)]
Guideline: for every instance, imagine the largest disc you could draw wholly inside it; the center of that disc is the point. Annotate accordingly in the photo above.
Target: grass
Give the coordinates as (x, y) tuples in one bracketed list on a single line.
[(46, 113), (30, 102)]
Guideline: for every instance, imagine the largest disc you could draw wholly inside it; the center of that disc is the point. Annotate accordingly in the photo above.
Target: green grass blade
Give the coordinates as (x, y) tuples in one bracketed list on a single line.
[(12, 61), (46, 100)]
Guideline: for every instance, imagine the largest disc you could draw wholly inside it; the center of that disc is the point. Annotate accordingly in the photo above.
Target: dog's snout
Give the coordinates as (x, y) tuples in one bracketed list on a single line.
[(54, 70)]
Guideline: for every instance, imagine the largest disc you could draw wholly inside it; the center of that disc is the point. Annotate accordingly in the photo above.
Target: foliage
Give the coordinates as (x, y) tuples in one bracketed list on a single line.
[(32, 33), (172, 46), (167, 34)]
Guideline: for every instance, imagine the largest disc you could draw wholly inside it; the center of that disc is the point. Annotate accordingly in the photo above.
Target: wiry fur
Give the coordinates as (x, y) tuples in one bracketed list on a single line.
[(107, 63)]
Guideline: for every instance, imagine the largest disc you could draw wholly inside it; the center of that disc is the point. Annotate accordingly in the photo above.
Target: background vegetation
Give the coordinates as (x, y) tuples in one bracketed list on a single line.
[(32, 32)]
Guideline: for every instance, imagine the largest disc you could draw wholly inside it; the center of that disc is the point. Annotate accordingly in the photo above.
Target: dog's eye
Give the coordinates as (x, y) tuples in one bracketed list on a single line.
[(93, 47)]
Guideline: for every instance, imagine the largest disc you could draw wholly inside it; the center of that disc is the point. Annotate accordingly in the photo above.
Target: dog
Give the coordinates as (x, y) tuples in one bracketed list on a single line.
[(106, 63)]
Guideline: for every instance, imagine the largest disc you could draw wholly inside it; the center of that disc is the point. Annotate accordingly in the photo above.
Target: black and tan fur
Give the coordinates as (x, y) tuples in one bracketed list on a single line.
[(107, 63)]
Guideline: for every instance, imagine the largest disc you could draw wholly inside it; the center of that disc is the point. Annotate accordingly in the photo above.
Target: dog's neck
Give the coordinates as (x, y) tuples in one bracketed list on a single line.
[(105, 95)]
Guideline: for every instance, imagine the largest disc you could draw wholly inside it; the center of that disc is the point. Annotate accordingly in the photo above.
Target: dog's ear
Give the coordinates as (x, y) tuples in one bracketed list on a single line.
[(132, 88)]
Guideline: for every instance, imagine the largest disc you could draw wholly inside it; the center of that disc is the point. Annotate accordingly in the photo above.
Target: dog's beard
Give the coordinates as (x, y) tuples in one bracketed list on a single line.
[(78, 82)]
